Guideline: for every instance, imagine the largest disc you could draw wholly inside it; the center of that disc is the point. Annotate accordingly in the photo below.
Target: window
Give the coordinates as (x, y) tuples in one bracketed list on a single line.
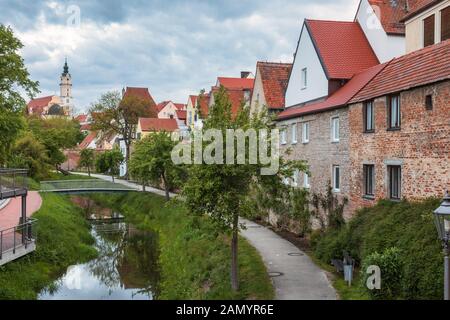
[(283, 136), (294, 133), (306, 181), (335, 129), (295, 179), (305, 133), (394, 112), (445, 24), (369, 117), (304, 78), (369, 180), (336, 179), (428, 31), (429, 102), (395, 178)]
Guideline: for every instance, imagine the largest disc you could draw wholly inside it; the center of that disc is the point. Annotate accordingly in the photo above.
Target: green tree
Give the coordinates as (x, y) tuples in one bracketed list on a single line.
[(31, 154), (14, 77), (57, 134), (151, 161), (109, 162), (222, 191), (112, 113), (87, 159)]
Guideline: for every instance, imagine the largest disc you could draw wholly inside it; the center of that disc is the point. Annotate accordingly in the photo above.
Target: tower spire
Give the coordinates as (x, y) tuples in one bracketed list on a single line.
[(66, 68)]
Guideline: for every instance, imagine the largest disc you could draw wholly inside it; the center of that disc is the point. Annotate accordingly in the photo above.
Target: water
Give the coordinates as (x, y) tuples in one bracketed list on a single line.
[(126, 267)]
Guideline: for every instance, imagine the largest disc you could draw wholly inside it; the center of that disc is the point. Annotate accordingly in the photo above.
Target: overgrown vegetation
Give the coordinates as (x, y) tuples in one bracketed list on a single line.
[(195, 257), (63, 240), (400, 237)]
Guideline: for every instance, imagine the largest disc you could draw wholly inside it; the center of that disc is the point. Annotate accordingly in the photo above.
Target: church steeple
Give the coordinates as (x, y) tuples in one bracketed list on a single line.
[(66, 69)]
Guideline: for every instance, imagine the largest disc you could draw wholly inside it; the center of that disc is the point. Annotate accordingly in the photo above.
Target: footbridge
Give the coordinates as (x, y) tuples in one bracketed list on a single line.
[(82, 186)]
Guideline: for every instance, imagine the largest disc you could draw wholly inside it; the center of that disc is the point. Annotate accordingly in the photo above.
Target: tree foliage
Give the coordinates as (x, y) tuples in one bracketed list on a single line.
[(109, 162), (222, 191), (112, 113), (87, 159), (151, 161)]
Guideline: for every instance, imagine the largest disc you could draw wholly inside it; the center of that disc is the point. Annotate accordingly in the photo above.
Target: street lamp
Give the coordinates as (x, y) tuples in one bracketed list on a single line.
[(442, 221)]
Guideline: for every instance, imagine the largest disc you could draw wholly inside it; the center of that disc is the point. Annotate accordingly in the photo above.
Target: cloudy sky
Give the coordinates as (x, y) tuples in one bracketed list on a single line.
[(175, 48)]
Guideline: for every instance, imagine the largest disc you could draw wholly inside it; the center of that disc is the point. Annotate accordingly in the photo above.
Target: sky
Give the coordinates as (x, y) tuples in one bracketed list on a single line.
[(175, 48)]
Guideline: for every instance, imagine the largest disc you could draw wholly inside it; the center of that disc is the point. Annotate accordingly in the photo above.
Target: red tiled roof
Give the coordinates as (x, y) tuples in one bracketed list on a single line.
[(81, 118), (181, 114), (389, 13), (338, 99), (342, 46), (193, 99), (202, 102), (85, 127), (417, 6), (155, 124), (274, 77), (235, 83), (37, 105), (87, 141), (180, 106), (142, 93), (418, 68), (161, 105)]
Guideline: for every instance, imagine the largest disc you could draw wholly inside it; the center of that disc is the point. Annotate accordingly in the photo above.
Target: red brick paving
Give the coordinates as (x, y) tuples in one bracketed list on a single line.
[(9, 216)]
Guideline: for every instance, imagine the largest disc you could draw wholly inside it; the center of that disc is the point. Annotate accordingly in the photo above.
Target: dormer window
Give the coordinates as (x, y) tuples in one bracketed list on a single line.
[(304, 78)]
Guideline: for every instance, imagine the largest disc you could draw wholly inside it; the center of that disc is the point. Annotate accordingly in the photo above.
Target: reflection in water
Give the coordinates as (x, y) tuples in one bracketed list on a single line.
[(126, 267)]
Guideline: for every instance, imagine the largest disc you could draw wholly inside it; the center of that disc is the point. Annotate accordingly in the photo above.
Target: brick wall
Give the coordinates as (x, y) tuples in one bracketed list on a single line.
[(321, 153), (421, 146)]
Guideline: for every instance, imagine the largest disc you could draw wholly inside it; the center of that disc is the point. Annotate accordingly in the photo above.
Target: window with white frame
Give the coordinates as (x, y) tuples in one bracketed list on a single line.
[(306, 183), (304, 78), (283, 138), (335, 129), (305, 132), (336, 179), (295, 179), (294, 133)]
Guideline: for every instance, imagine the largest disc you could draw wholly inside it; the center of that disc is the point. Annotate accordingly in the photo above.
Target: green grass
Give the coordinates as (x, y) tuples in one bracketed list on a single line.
[(194, 259), (63, 239)]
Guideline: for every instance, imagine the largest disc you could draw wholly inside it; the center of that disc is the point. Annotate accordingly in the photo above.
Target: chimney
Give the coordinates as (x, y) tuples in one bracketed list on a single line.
[(245, 74)]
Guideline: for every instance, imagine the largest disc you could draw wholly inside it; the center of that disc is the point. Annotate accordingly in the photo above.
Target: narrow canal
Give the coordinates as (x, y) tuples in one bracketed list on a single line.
[(126, 267)]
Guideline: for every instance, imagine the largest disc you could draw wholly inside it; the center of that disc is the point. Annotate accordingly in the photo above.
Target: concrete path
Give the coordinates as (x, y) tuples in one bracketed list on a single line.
[(294, 275), (10, 214)]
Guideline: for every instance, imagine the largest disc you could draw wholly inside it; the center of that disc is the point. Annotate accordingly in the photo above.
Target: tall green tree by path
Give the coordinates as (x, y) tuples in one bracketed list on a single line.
[(109, 162), (13, 77), (87, 159), (222, 190), (151, 161), (114, 114)]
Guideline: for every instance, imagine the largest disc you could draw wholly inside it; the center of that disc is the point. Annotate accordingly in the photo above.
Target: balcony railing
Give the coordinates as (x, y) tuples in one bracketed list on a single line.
[(18, 240), (13, 183)]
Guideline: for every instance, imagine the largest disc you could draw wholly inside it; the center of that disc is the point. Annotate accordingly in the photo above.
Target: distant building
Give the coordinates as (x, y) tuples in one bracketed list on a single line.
[(148, 126), (196, 110)]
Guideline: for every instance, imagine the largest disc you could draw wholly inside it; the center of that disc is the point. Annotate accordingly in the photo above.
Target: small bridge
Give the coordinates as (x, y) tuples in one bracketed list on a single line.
[(83, 186)]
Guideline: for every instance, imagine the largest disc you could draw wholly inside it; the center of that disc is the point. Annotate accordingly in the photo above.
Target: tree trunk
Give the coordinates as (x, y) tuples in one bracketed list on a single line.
[(166, 187), (89, 171), (143, 186), (234, 255), (127, 158), (112, 177)]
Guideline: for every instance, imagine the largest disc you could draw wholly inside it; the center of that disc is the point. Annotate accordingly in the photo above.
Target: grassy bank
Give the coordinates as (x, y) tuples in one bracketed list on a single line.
[(401, 238), (63, 239), (194, 260)]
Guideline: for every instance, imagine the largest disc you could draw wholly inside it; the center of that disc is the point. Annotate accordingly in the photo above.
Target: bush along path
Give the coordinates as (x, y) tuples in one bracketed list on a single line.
[(294, 275)]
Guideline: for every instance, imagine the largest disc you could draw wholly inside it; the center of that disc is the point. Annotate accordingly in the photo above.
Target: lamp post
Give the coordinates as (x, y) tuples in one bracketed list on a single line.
[(442, 221)]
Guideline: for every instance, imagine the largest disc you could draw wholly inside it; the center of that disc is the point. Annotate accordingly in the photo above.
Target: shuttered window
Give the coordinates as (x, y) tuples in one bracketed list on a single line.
[(445, 24), (428, 31)]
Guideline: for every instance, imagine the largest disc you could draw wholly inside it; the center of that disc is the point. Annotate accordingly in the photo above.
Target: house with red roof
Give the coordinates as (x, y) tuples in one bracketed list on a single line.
[(239, 90), (168, 109), (141, 93), (197, 110), (399, 130), (147, 126), (270, 85)]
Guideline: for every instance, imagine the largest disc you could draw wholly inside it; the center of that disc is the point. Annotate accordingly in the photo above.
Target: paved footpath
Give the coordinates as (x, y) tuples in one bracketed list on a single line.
[(295, 276), (10, 214)]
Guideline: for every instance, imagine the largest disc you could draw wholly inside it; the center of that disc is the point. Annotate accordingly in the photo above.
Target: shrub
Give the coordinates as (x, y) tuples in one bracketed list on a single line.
[(390, 264)]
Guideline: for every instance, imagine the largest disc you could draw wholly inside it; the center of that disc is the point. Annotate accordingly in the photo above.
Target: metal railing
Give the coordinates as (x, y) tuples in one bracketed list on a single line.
[(14, 238), (84, 184), (13, 182)]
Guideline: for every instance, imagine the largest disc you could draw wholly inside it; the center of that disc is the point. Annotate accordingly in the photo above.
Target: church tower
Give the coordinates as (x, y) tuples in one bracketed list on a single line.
[(66, 90)]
